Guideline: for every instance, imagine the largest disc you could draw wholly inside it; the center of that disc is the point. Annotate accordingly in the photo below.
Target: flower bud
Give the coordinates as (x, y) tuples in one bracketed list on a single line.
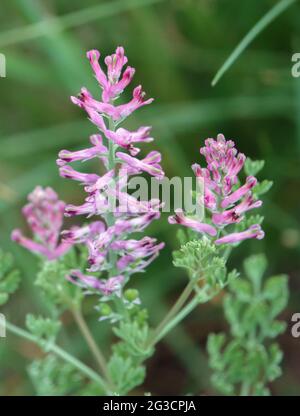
[(131, 295), (105, 310)]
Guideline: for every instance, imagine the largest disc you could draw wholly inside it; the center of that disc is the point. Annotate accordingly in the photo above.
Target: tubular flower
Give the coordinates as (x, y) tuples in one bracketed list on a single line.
[(44, 215), (106, 287), (110, 248), (224, 200)]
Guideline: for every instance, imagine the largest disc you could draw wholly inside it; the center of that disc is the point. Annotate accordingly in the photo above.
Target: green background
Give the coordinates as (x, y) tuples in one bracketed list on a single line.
[(177, 47)]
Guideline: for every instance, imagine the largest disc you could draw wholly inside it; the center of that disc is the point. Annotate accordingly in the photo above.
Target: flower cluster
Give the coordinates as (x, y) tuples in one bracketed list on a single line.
[(224, 199), (44, 215), (110, 248)]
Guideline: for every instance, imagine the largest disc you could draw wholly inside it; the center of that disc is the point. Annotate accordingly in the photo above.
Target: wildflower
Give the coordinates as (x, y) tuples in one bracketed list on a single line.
[(121, 213), (254, 231), (180, 218), (149, 164), (106, 287), (44, 215), (226, 202), (98, 150)]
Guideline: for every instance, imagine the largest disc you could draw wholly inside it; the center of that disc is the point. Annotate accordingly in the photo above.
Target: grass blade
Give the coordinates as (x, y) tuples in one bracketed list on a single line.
[(251, 35), (77, 18)]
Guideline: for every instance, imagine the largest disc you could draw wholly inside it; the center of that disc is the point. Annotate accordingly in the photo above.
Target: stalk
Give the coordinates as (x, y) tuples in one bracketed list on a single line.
[(176, 320), (84, 329), (87, 371), (176, 307)]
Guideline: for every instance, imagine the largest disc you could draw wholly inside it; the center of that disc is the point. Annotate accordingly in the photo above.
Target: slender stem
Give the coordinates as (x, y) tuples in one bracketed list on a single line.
[(245, 389), (110, 216), (91, 342), (175, 308), (90, 373), (176, 320)]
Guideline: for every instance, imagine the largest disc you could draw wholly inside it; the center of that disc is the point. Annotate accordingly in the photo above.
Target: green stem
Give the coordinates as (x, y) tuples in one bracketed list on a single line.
[(110, 216), (175, 308), (176, 320), (84, 329), (91, 374), (245, 389)]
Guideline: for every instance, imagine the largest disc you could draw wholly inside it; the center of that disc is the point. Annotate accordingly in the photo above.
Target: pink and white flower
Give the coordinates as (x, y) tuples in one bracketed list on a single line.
[(44, 215), (220, 179)]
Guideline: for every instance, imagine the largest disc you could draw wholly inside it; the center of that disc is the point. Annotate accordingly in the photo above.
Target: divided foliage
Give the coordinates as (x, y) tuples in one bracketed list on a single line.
[(247, 361)]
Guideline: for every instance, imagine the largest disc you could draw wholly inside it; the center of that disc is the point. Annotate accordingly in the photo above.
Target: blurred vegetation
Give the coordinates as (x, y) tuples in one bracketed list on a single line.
[(177, 47)]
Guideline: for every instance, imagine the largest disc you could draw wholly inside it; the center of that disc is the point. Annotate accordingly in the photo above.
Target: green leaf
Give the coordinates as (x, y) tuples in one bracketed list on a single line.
[(215, 343), (255, 315), (52, 280), (9, 277), (276, 292), (125, 374), (242, 289), (255, 267), (52, 377), (221, 383), (201, 259), (245, 364), (262, 187), (45, 329), (182, 236), (259, 389), (252, 167), (252, 220), (232, 313), (275, 358), (134, 337), (274, 329)]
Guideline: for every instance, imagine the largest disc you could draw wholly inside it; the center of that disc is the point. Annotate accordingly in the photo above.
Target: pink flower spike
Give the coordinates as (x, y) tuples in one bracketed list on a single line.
[(112, 285), (106, 287), (125, 138), (179, 218), (102, 183), (31, 245), (236, 165), (251, 181), (135, 224), (149, 164), (98, 150), (83, 280), (115, 64), (86, 101), (70, 173), (106, 196), (44, 215), (81, 234), (226, 218), (94, 57), (117, 89), (247, 204), (254, 231), (137, 101), (85, 209)]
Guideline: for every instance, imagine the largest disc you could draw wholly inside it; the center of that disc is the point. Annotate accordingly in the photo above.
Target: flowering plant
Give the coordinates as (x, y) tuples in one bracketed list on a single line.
[(100, 256)]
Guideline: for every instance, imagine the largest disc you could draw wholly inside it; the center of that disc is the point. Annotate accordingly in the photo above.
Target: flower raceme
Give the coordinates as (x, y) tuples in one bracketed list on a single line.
[(110, 248), (44, 215), (225, 201)]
